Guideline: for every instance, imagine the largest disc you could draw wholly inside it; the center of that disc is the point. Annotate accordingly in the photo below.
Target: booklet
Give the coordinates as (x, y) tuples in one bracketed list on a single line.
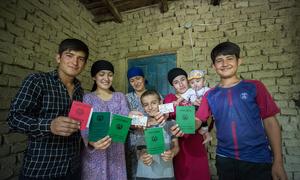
[(99, 125), (81, 112), (185, 118), (119, 128), (139, 120), (166, 108), (154, 138)]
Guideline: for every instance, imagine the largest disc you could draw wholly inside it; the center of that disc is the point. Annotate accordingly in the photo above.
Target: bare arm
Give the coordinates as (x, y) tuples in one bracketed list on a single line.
[(169, 154), (274, 135)]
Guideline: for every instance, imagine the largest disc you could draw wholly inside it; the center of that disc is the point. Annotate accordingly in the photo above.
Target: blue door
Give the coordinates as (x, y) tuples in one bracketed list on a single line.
[(156, 71)]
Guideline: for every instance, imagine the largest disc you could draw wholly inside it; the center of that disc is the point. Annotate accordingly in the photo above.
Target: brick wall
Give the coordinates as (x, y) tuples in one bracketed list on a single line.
[(30, 31), (266, 30)]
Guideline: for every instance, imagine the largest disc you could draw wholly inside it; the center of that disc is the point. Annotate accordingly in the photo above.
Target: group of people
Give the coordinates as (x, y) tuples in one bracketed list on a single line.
[(243, 110)]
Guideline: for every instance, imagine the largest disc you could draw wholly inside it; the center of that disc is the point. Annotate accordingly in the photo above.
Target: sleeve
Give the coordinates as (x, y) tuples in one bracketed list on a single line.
[(187, 94), (265, 102), (23, 115), (124, 105), (129, 100), (203, 112)]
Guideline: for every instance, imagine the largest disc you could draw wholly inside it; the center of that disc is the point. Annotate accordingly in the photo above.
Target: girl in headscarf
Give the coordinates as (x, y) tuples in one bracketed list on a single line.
[(104, 159), (191, 162)]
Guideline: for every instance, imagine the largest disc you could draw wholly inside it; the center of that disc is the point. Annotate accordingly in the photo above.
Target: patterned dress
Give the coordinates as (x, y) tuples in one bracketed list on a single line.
[(134, 104), (106, 164)]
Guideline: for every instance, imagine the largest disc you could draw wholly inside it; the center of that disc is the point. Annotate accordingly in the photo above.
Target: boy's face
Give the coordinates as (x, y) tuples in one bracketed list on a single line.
[(71, 62), (150, 104), (196, 83), (226, 66)]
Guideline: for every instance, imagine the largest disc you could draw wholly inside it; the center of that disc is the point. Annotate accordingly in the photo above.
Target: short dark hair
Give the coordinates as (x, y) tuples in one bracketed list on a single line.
[(75, 45), (150, 92), (225, 48)]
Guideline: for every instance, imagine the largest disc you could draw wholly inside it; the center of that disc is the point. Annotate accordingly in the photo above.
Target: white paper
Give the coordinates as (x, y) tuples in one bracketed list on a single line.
[(166, 108), (139, 120)]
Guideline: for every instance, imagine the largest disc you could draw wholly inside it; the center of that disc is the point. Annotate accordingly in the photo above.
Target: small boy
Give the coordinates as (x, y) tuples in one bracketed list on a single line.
[(197, 90), (244, 113), (156, 166)]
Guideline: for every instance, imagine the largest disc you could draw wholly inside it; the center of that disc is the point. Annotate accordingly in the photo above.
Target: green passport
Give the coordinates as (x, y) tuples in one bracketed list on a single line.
[(119, 128), (154, 138), (185, 118), (99, 125)]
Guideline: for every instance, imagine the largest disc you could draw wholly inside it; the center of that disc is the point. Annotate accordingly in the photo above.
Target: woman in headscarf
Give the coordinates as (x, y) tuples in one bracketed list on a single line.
[(104, 159), (191, 162), (137, 80)]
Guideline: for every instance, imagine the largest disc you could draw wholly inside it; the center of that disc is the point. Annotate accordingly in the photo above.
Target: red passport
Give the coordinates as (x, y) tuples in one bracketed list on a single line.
[(81, 112)]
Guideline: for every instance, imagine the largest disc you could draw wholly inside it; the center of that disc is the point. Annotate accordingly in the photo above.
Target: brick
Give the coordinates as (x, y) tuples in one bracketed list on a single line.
[(3, 125), (5, 172), (24, 24), (15, 81), (269, 66), (4, 150), (6, 58), (292, 167), (6, 36), (18, 147), (15, 70), (288, 111), (242, 4), (6, 14), (8, 161), (255, 67), (2, 23), (253, 52), (24, 43), (267, 73), (13, 138), (284, 81)]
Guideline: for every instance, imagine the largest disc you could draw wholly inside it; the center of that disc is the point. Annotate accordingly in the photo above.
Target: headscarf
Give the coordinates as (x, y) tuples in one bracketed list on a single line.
[(98, 66), (134, 71), (173, 73)]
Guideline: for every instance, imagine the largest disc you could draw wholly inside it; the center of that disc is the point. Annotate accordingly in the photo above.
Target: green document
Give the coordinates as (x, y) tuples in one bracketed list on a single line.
[(154, 138), (185, 118), (119, 128), (99, 125)]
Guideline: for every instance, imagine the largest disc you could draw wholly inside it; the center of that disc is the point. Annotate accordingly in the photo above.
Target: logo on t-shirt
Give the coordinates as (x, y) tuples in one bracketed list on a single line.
[(244, 95)]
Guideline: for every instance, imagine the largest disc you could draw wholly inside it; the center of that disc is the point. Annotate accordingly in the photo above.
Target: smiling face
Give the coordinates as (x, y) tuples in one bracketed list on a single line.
[(137, 83), (104, 79), (180, 84), (226, 66), (150, 104), (71, 63)]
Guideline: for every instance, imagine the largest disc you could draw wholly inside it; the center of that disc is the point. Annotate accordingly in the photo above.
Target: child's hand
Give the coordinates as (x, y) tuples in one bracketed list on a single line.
[(167, 155), (161, 118), (197, 102), (103, 143), (146, 158), (175, 103), (175, 130), (207, 137), (138, 113)]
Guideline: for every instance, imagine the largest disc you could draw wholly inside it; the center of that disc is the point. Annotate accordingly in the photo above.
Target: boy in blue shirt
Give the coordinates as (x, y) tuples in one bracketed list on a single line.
[(244, 113)]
